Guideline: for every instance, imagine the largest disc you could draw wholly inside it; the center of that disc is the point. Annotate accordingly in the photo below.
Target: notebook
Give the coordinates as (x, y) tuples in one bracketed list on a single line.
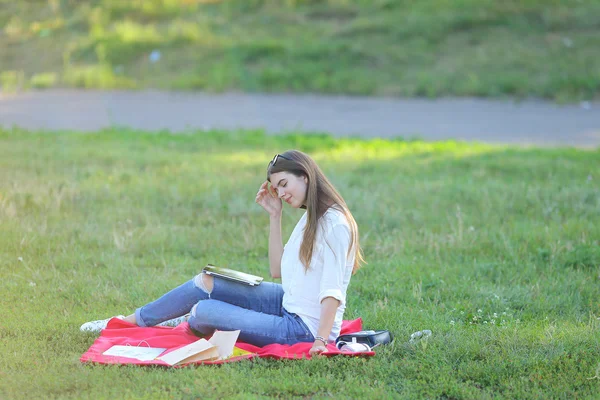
[(233, 275)]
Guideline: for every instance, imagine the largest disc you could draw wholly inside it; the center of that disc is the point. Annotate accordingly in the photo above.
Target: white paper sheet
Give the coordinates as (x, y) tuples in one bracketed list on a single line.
[(141, 353), (225, 341)]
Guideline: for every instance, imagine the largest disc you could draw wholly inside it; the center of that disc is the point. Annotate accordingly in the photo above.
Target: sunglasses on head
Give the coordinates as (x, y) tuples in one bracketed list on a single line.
[(276, 158)]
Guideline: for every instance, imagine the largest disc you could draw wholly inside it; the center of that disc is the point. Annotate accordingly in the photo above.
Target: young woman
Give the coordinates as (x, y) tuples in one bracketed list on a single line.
[(315, 267)]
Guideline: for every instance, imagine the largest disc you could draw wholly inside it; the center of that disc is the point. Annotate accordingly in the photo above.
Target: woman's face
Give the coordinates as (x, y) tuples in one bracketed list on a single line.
[(290, 188)]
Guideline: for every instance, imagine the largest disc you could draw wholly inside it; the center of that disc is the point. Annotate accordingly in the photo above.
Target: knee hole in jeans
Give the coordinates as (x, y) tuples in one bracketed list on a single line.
[(202, 308), (199, 283)]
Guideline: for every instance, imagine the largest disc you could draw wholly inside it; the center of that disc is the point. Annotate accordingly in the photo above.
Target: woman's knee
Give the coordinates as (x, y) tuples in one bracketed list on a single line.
[(202, 318), (203, 309), (204, 282)]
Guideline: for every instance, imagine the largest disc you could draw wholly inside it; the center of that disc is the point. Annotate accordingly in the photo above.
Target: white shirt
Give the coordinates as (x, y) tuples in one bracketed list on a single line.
[(329, 273)]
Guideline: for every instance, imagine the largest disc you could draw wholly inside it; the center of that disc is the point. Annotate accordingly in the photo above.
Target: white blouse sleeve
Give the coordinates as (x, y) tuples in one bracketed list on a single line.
[(335, 252)]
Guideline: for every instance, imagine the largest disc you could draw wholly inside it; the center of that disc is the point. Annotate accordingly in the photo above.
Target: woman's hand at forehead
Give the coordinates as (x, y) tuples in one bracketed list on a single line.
[(268, 199)]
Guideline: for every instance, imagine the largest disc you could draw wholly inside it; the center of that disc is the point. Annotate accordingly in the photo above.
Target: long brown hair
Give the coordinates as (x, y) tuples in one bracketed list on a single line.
[(320, 196)]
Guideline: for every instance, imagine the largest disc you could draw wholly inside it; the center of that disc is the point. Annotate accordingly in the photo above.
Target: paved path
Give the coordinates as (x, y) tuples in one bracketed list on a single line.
[(494, 121)]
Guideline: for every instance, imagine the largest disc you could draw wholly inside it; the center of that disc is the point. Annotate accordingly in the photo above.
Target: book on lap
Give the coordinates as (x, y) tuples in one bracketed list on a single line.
[(232, 275)]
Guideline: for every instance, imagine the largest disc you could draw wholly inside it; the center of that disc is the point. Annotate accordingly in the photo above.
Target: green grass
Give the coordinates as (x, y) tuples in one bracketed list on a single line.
[(377, 47), (495, 249)]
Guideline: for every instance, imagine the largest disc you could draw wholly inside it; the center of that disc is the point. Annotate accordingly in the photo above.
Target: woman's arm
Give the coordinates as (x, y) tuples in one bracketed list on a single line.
[(331, 293), (267, 198), (329, 307), (275, 246)]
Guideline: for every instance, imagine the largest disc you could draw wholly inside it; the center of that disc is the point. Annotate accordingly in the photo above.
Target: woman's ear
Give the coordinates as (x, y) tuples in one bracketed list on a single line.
[(305, 179)]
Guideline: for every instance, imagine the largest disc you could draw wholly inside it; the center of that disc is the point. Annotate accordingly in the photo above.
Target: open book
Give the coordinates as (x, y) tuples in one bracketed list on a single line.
[(232, 275), (219, 347)]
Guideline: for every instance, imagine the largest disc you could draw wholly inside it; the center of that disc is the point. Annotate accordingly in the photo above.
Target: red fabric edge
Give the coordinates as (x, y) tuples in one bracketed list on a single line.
[(119, 332)]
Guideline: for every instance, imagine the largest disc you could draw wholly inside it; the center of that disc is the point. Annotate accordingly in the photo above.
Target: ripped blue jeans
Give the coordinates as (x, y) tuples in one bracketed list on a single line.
[(256, 311)]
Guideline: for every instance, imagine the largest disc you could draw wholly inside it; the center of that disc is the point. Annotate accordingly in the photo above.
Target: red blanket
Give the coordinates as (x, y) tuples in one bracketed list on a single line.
[(119, 332)]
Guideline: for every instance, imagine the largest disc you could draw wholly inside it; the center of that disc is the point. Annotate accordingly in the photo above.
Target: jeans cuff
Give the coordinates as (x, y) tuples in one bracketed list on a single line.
[(138, 318)]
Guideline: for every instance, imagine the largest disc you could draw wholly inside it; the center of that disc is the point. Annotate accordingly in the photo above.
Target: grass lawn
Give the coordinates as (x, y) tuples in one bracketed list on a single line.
[(378, 47), (495, 249)]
